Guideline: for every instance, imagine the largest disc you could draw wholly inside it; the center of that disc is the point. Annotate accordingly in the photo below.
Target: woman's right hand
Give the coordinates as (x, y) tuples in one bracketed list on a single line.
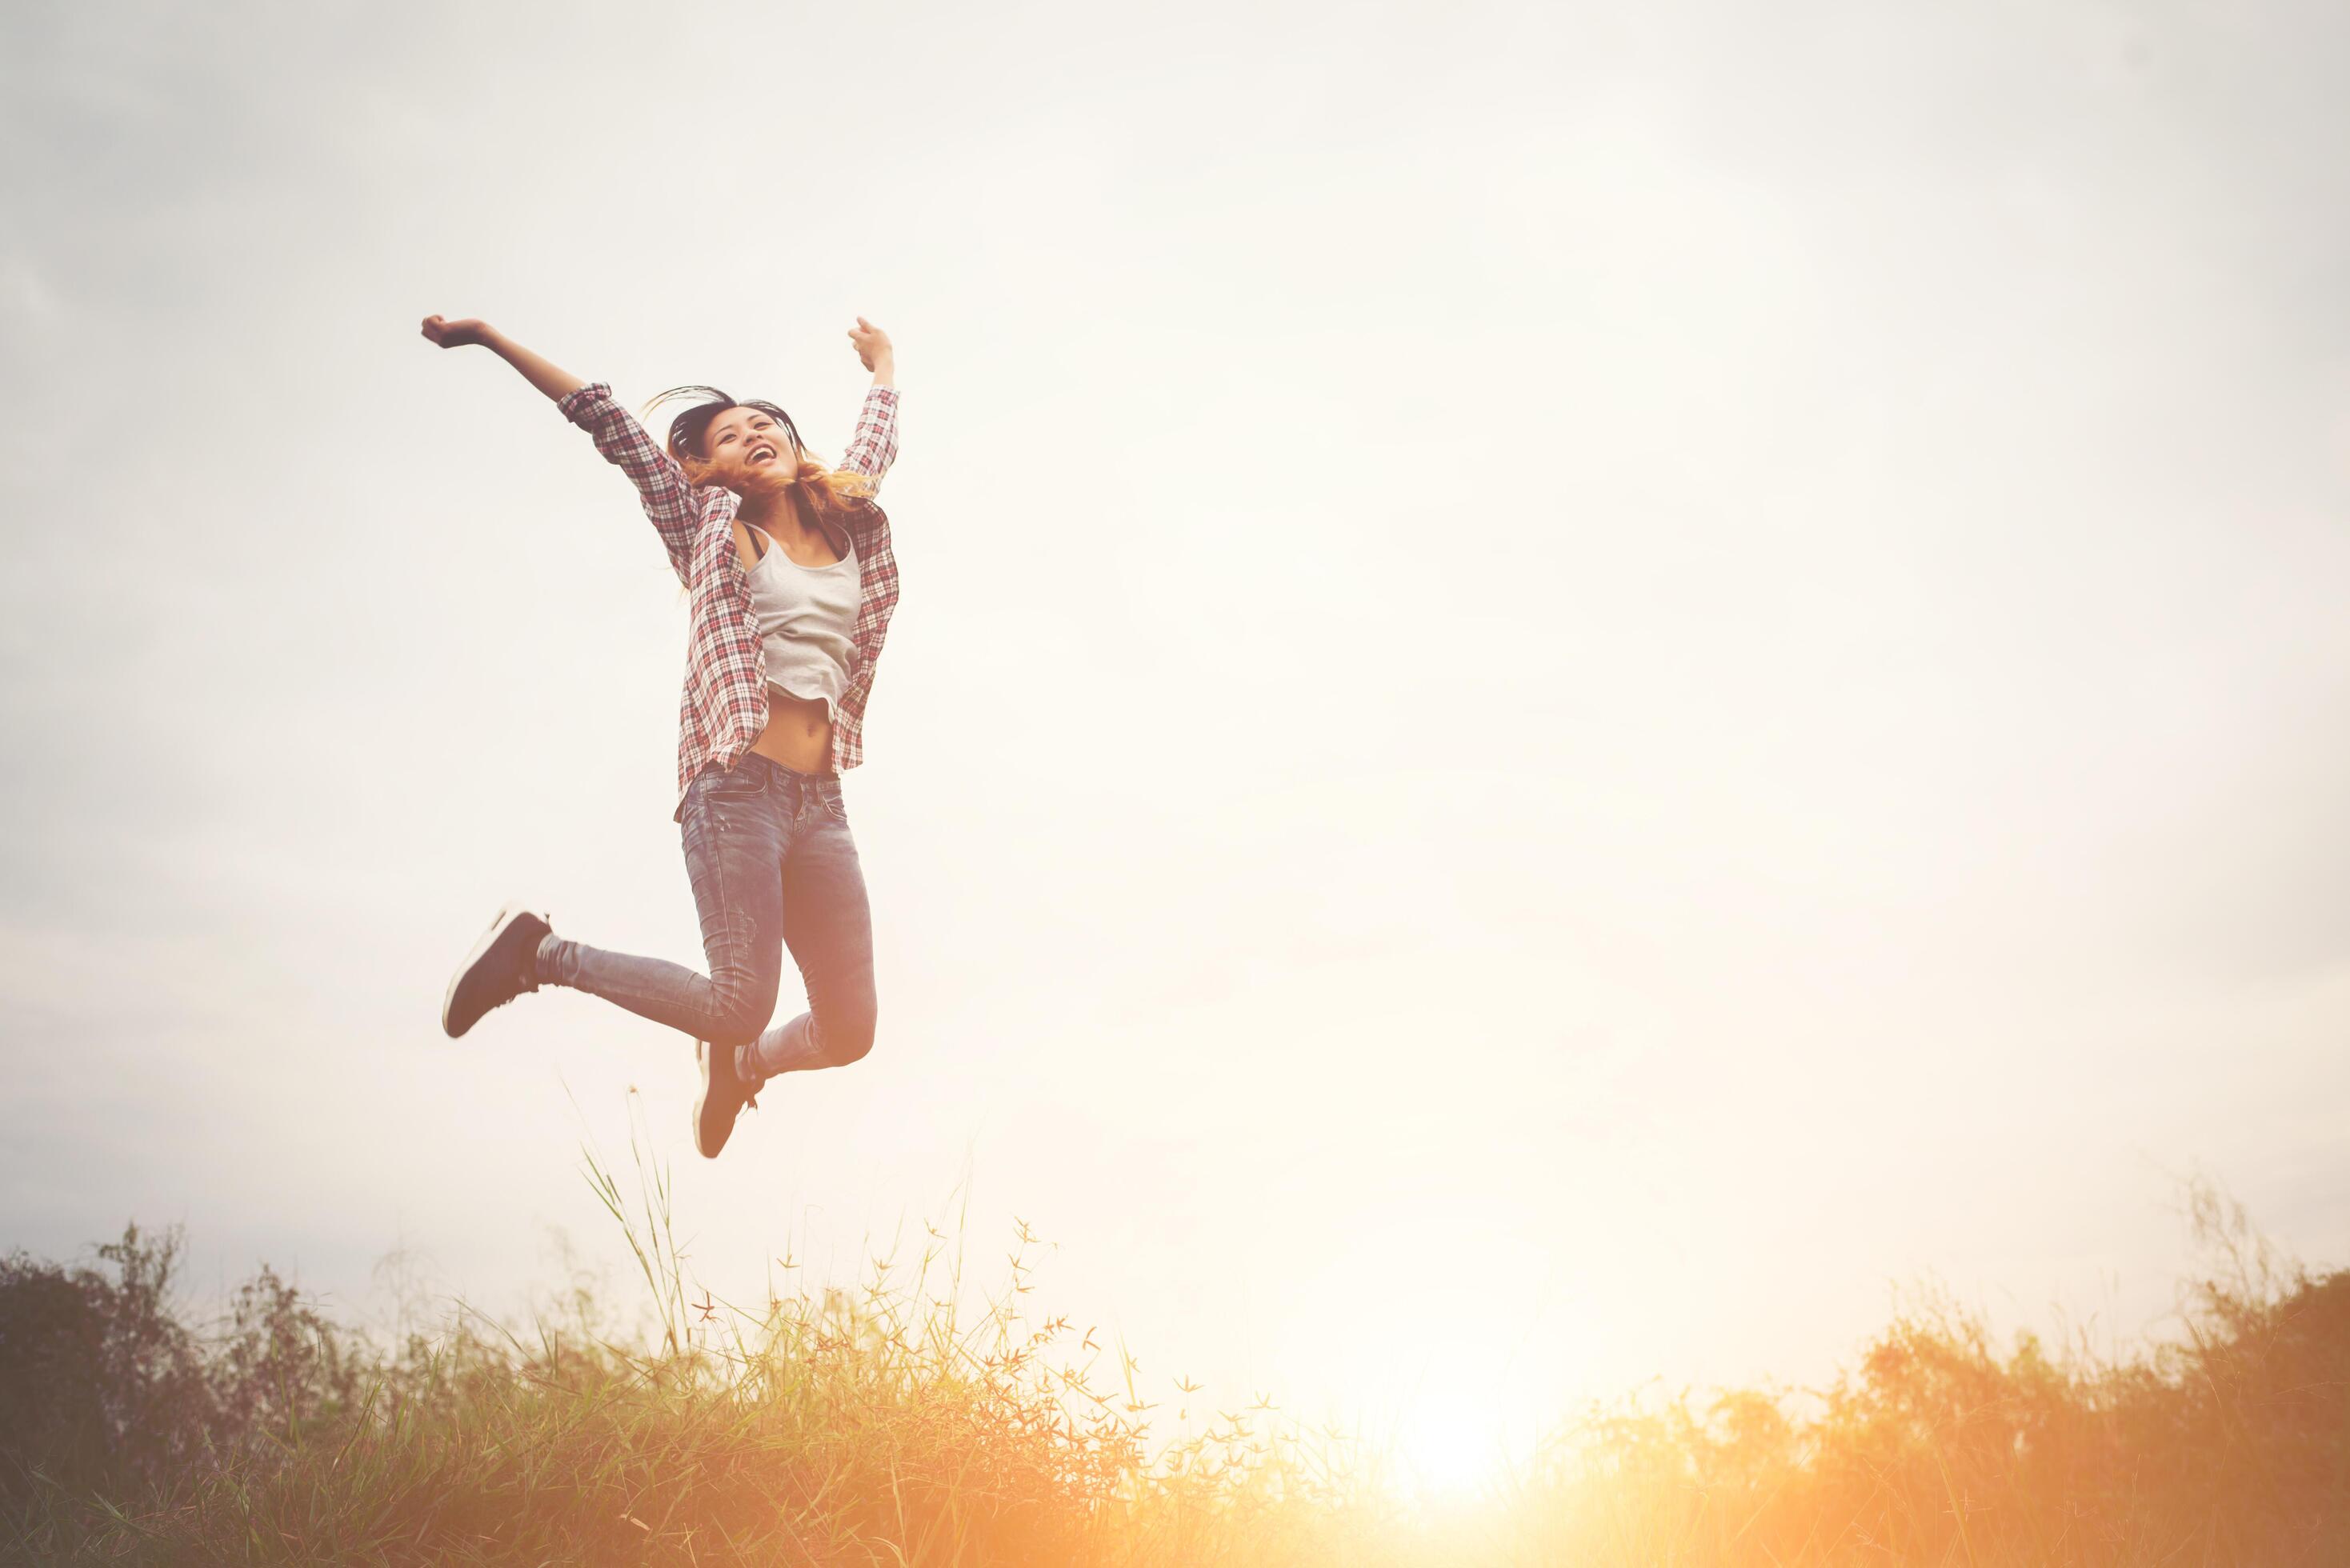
[(450, 334)]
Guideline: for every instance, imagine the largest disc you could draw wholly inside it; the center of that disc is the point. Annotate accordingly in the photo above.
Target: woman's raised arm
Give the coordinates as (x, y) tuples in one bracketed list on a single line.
[(874, 447), (668, 501), (553, 379)]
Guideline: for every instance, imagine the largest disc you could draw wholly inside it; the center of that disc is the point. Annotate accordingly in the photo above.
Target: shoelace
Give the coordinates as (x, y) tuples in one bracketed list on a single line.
[(750, 1089)]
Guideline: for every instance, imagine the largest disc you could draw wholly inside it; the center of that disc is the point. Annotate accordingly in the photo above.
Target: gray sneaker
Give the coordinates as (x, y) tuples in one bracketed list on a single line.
[(502, 966)]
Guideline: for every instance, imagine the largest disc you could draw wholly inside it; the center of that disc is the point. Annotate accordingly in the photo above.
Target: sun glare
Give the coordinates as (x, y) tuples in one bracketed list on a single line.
[(1451, 1449)]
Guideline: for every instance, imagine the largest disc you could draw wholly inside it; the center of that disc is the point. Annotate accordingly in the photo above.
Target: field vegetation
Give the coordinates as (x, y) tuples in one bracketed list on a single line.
[(892, 1423)]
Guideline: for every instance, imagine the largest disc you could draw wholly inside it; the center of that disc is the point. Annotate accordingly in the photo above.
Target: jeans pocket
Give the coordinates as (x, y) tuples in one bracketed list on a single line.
[(744, 781), (724, 801)]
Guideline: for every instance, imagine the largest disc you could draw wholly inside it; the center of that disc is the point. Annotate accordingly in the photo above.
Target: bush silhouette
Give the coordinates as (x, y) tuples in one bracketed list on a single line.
[(889, 1424)]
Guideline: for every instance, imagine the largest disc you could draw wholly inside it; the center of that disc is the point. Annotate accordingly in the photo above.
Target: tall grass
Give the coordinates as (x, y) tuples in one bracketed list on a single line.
[(893, 1423), (2232, 1446)]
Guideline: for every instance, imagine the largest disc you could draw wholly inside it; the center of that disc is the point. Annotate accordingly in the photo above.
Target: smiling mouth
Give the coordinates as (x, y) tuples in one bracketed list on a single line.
[(759, 452)]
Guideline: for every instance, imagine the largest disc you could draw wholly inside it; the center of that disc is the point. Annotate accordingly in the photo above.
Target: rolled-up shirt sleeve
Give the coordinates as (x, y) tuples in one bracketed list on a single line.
[(874, 447), (670, 502)]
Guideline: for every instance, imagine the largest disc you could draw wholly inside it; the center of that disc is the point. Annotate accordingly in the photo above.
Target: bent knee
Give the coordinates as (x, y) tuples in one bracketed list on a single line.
[(849, 1039)]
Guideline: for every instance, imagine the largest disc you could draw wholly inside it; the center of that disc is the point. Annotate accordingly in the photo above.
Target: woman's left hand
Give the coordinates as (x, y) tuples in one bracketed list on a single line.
[(873, 344)]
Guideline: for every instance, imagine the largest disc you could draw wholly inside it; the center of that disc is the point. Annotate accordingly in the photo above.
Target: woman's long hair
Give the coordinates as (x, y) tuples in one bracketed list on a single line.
[(824, 491)]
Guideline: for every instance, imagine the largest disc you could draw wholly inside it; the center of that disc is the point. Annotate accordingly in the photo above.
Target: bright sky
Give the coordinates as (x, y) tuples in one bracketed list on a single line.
[(1575, 684)]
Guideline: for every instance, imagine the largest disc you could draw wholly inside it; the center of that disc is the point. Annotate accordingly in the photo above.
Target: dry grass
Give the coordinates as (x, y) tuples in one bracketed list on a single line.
[(889, 1425), (2229, 1447)]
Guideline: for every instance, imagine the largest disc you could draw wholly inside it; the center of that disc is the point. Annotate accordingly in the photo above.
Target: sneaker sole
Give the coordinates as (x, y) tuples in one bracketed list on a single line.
[(702, 1049), (504, 917)]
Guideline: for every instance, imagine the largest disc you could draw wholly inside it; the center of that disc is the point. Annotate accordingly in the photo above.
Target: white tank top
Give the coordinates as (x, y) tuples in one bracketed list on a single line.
[(806, 618)]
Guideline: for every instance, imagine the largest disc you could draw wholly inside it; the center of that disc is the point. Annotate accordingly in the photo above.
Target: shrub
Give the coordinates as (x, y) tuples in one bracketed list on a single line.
[(889, 1424)]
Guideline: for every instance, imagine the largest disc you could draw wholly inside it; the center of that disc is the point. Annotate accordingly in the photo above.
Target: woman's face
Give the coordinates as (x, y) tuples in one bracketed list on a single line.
[(746, 452)]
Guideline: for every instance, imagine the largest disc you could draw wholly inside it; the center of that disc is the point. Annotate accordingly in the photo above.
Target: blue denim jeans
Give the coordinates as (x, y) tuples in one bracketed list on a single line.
[(773, 867)]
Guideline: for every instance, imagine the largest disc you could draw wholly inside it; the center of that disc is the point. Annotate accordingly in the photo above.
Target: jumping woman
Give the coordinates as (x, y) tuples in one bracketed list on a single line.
[(789, 574)]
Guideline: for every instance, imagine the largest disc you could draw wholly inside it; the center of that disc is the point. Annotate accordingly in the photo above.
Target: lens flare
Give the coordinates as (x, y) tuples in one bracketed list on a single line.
[(1450, 1448)]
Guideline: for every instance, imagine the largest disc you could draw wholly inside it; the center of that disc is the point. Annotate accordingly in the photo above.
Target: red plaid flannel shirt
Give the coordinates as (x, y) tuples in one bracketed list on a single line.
[(725, 702)]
